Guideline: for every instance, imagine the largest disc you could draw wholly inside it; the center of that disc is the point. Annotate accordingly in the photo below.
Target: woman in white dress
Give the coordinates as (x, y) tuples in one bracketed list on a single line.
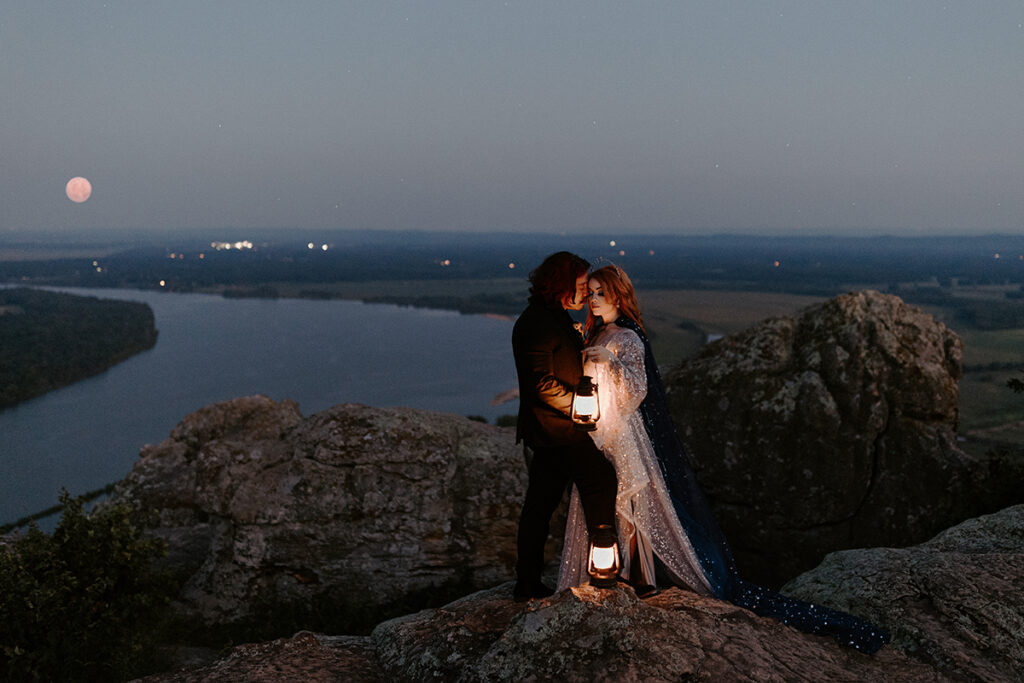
[(660, 509)]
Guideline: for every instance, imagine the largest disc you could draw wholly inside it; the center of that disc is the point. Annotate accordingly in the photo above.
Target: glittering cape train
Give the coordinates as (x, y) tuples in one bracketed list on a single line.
[(708, 542)]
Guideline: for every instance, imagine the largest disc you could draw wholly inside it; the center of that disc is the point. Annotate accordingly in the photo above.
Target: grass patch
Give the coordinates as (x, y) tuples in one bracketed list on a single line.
[(678, 320), (986, 402), (984, 347)]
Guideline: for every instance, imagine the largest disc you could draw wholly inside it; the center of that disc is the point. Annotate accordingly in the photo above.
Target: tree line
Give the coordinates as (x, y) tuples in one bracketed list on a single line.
[(49, 340)]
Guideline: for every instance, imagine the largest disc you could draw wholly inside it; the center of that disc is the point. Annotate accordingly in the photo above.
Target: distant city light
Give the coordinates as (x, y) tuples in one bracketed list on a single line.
[(324, 247), (612, 243), (651, 252), (310, 245), (775, 263), (511, 266), (95, 263), (622, 252), (446, 262), (98, 269), (173, 255), (202, 255), (163, 283), (227, 246), (996, 256)]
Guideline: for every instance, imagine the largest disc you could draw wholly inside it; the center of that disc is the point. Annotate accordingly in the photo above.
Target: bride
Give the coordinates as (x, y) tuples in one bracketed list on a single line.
[(660, 509)]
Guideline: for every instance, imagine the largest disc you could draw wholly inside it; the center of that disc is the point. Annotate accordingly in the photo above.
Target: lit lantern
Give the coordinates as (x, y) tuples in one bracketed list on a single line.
[(603, 565), (586, 409)]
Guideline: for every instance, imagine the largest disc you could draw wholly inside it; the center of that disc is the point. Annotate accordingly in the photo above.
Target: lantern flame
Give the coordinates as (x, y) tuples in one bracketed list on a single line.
[(603, 565), (586, 406), (603, 558), (586, 409)]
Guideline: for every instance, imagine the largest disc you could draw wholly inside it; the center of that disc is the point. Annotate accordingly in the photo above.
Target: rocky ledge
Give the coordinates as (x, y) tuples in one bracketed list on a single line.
[(955, 606), (955, 602)]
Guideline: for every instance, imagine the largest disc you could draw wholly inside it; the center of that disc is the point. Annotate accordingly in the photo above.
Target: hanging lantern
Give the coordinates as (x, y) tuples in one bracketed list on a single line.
[(603, 565), (586, 409)]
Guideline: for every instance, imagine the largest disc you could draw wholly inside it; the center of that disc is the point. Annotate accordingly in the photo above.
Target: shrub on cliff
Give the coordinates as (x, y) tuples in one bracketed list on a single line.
[(83, 603)]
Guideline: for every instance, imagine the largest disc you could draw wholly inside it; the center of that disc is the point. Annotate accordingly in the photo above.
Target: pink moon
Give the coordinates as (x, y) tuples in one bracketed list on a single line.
[(78, 189)]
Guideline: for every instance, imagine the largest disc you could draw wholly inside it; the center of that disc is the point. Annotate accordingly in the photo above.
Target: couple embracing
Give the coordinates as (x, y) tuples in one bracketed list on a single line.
[(630, 475)]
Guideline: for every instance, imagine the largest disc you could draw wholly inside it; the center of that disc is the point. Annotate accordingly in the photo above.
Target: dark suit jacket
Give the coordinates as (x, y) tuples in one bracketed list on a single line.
[(547, 352)]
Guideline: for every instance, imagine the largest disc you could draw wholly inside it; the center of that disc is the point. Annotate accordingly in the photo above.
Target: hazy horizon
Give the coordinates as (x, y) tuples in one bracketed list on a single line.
[(778, 118), (43, 241)]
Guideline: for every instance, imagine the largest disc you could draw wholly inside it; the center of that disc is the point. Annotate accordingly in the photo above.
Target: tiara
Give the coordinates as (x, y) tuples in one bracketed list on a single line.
[(602, 262)]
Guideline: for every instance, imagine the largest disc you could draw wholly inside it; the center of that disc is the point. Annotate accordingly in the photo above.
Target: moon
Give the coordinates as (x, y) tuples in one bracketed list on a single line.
[(78, 189)]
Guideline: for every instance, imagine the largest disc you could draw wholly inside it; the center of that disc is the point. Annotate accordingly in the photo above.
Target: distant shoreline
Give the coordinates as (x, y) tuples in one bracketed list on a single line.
[(500, 305)]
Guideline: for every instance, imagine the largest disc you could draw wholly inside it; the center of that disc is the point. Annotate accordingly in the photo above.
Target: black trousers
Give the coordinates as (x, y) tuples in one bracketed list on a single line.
[(551, 470)]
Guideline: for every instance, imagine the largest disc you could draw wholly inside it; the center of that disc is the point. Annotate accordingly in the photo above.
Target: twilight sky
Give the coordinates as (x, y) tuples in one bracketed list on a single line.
[(901, 117)]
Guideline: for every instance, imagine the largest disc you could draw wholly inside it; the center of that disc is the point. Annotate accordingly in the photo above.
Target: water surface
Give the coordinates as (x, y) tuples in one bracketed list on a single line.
[(318, 353)]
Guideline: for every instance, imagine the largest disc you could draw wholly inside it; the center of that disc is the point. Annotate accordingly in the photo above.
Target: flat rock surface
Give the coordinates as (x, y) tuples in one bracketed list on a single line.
[(955, 602)]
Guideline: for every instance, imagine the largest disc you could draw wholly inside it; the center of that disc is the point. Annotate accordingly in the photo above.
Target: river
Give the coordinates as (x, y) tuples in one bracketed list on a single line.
[(318, 353)]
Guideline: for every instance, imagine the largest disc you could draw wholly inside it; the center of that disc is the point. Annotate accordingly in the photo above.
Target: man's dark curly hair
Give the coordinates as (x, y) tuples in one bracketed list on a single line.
[(555, 278)]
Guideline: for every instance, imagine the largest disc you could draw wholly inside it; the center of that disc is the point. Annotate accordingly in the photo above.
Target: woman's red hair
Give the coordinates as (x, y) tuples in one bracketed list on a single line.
[(619, 292)]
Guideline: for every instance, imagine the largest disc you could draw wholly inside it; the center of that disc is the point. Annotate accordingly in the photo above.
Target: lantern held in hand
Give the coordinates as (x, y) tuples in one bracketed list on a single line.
[(603, 565), (586, 409)]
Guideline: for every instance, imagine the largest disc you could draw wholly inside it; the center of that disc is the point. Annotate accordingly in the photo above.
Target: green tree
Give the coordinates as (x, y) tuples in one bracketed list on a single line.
[(84, 603)]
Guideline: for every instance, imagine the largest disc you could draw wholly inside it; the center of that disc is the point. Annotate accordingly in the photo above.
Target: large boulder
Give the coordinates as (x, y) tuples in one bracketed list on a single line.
[(955, 602), (351, 513), (832, 429)]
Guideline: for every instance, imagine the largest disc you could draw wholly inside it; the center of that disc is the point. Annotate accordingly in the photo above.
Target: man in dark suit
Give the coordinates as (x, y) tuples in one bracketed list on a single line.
[(548, 354)]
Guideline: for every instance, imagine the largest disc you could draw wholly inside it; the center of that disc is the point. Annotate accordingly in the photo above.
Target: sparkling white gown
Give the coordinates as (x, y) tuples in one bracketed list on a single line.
[(644, 510)]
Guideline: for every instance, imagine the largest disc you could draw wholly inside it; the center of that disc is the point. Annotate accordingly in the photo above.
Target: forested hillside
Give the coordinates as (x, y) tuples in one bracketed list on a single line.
[(49, 340)]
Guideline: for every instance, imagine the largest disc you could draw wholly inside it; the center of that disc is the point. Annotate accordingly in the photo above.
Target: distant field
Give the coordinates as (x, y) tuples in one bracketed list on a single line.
[(992, 346), (49, 254), (986, 402), (671, 316), (988, 409)]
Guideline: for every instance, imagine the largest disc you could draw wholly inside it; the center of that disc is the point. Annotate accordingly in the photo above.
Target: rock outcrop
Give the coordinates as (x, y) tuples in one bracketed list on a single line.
[(955, 602), (589, 634), (955, 606), (832, 429), (356, 510), (582, 634)]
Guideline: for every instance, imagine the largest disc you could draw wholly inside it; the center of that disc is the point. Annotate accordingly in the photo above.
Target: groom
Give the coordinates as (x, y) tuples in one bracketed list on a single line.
[(547, 350)]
